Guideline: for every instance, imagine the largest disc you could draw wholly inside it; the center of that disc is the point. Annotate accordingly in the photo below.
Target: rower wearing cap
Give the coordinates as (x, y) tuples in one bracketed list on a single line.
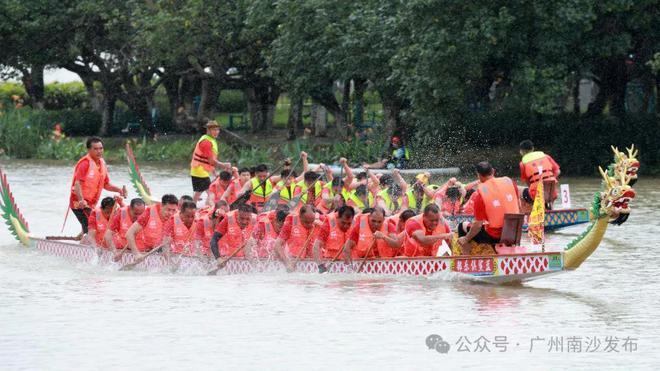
[(204, 160)]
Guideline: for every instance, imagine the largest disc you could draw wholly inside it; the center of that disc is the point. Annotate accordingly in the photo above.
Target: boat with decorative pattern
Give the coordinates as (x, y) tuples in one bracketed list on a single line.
[(554, 219), (610, 206)]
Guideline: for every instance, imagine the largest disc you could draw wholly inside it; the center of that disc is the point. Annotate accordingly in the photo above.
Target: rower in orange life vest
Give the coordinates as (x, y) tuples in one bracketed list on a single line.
[(90, 178), (146, 233), (218, 187), (115, 235), (426, 232), (179, 235), (268, 228), (333, 234), (494, 198), (296, 234), (98, 222), (396, 233), (206, 224), (240, 178), (204, 160), (535, 167), (233, 232), (367, 236)]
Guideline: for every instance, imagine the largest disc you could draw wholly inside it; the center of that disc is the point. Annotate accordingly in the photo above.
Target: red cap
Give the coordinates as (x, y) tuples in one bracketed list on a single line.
[(396, 140)]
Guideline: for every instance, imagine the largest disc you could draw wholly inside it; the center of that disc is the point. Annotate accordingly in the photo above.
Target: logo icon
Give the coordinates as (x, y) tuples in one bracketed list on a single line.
[(434, 341)]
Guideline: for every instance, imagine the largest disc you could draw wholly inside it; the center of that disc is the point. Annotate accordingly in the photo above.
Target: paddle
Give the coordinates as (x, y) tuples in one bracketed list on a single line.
[(223, 263), (130, 266), (364, 260), (323, 268), (275, 197)]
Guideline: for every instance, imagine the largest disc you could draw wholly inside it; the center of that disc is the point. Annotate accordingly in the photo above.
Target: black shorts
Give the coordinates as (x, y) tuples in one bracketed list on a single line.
[(82, 215), (526, 196), (200, 184), (481, 237)]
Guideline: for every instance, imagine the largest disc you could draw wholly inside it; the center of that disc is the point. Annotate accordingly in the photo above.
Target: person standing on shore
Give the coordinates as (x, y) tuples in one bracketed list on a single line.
[(90, 178), (204, 161)]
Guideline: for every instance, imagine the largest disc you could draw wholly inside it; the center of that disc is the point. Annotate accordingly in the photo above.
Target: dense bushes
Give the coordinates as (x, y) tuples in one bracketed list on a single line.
[(70, 95), (19, 136), (232, 101)]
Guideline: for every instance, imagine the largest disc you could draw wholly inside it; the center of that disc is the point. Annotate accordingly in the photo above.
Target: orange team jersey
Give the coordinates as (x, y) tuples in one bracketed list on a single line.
[(93, 178), (233, 237), (119, 225), (493, 199), (182, 236), (332, 236), (151, 234), (363, 238), (98, 223), (297, 237), (412, 247)]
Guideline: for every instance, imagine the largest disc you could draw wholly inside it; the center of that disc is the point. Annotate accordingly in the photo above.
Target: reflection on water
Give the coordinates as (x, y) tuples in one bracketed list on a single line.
[(59, 315)]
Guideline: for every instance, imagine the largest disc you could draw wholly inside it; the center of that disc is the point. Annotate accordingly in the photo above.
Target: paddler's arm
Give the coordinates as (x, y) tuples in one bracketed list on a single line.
[(375, 182), (399, 179), (391, 241), (279, 250), (420, 237), (107, 237), (91, 237), (77, 189), (214, 244), (305, 164), (130, 237), (317, 250), (328, 173), (113, 188), (348, 249), (474, 230)]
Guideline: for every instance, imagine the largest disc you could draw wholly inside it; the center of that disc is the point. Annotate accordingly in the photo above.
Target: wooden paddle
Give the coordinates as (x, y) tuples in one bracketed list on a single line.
[(130, 266), (323, 268), (223, 263), (364, 260)]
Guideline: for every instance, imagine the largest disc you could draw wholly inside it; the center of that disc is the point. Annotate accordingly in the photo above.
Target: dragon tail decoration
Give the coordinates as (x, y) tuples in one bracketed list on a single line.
[(17, 224), (610, 206), (137, 180)]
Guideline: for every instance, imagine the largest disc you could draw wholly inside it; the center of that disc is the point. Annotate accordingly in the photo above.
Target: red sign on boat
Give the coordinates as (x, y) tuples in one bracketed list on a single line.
[(474, 265)]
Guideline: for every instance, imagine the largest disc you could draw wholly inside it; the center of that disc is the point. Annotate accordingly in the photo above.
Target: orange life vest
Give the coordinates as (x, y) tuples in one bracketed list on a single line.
[(366, 239), (207, 232), (336, 237), (538, 167), (235, 236), (298, 239), (412, 247), (102, 224), (499, 197), (92, 185), (125, 222), (152, 235), (198, 158), (265, 246), (183, 238)]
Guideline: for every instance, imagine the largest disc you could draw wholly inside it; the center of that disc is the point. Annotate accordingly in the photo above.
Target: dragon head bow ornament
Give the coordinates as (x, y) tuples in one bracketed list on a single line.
[(625, 161), (616, 195)]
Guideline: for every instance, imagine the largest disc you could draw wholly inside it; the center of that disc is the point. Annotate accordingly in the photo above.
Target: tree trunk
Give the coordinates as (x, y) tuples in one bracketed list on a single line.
[(391, 112), (346, 103), (358, 110), (33, 80), (95, 99), (107, 113), (319, 120), (262, 101), (208, 100), (576, 95), (612, 88), (295, 121)]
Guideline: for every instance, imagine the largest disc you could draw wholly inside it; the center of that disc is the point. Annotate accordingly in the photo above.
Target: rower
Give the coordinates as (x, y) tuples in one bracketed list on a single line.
[(494, 198), (396, 234), (206, 223), (146, 233), (204, 160), (296, 234), (333, 233), (179, 235), (90, 178), (268, 228), (98, 222), (218, 187), (426, 232), (233, 231), (115, 236), (286, 186), (360, 198), (369, 229), (240, 178), (535, 167), (260, 186)]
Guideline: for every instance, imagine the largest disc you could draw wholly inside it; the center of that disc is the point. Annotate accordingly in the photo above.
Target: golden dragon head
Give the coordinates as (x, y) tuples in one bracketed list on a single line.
[(627, 161), (615, 197)]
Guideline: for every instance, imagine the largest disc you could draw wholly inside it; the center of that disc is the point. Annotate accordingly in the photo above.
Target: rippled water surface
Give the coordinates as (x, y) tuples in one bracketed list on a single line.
[(58, 315)]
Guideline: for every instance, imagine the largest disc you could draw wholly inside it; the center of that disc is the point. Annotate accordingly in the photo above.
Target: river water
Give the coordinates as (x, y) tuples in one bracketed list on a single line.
[(59, 315)]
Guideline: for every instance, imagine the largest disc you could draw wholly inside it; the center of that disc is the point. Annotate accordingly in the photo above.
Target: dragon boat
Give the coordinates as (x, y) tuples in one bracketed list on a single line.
[(610, 206)]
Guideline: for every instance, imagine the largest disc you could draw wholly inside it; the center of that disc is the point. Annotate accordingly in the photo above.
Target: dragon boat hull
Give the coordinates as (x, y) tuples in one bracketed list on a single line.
[(554, 219), (496, 269)]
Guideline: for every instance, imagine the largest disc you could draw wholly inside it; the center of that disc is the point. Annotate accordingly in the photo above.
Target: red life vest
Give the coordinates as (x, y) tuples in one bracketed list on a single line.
[(235, 236), (265, 246), (102, 224), (336, 237), (298, 239), (412, 247), (499, 197), (125, 222), (366, 239), (206, 224), (152, 235), (92, 185)]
